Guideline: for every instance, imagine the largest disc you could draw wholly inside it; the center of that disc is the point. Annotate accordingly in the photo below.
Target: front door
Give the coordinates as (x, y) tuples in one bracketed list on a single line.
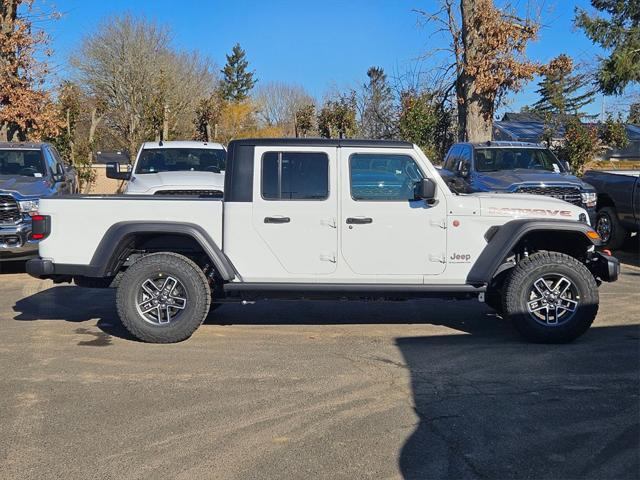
[(385, 232), (295, 210)]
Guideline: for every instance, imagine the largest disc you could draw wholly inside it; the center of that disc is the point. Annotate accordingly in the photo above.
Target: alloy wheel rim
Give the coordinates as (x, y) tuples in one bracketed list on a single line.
[(603, 227), (553, 300), (161, 299)]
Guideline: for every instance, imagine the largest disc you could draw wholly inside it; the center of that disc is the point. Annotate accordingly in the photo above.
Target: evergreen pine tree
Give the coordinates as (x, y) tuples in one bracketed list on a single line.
[(620, 35), (237, 81), (378, 114), (561, 91)]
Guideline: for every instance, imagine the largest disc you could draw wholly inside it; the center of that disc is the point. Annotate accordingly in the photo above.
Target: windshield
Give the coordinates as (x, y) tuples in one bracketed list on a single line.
[(23, 163), (494, 159), (154, 160)]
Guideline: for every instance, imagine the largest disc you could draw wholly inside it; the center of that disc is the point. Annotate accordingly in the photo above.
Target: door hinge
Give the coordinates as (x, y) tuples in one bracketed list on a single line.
[(329, 222), (442, 223), (437, 258), (328, 257)]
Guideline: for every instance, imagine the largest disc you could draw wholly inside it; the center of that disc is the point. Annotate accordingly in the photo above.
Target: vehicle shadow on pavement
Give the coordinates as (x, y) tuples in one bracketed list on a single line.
[(75, 304), (488, 408), (630, 251)]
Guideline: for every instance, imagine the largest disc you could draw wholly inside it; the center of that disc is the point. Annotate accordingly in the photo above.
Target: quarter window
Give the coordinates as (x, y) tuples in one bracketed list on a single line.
[(383, 177), (295, 176)]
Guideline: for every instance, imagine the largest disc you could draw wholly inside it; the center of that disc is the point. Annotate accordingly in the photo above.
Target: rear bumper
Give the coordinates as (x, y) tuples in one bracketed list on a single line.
[(43, 268), (605, 267)]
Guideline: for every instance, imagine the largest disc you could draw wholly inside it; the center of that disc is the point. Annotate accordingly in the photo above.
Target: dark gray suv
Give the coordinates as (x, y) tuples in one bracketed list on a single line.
[(28, 172)]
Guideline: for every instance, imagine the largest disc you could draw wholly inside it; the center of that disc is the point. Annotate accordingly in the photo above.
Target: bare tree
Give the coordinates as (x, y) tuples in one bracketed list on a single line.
[(147, 86), (488, 47), (278, 103)]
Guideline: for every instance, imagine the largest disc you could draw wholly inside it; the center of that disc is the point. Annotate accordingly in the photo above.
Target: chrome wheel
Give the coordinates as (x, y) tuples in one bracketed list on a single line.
[(161, 299), (603, 227), (553, 300)]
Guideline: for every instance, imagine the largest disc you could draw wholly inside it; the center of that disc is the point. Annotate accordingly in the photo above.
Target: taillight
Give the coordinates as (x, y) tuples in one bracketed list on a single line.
[(40, 227)]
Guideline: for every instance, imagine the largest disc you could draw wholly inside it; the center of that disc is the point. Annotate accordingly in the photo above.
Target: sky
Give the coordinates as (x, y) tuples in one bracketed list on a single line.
[(321, 45)]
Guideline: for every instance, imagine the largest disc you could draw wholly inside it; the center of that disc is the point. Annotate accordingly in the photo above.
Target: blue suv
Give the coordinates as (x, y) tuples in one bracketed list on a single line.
[(515, 167)]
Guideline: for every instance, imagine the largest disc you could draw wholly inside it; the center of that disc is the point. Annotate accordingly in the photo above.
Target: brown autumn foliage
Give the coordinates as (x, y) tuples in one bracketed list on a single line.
[(488, 46), (26, 108)]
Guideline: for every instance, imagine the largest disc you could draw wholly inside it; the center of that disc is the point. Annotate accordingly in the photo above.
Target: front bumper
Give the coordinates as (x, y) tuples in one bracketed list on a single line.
[(604, 267), (15, 243)]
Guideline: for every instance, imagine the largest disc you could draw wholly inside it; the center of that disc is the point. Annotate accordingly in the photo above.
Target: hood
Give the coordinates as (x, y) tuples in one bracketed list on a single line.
[(519, 205), (25, 186), (149, 183), (505, 179)]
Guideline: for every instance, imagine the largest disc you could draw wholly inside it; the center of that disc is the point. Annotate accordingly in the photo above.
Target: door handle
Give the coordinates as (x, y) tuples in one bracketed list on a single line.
[(277, 219), (359, 220)]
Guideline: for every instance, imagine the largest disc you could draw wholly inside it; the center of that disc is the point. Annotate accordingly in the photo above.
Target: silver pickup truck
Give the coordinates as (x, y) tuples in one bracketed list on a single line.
[(28, 173)]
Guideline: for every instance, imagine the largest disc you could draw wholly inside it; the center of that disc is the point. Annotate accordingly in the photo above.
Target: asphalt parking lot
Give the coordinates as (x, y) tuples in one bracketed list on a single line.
[(420, 389)]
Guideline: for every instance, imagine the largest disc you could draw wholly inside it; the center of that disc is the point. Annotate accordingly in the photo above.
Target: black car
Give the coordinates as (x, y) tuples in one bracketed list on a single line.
[(618, 204), (515, 167), (28, 172)]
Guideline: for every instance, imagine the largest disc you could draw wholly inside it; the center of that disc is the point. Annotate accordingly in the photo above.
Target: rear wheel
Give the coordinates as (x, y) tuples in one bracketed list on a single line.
[(163, 298), (612, 233), (551, 298)]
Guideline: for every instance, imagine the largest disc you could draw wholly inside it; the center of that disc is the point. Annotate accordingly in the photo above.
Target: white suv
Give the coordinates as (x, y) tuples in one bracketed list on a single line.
[(175, 168)]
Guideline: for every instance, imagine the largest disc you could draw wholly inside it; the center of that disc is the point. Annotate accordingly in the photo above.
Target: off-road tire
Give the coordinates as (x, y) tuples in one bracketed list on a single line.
[(93, 282), (518, 287), (618, 233), (197, 291)]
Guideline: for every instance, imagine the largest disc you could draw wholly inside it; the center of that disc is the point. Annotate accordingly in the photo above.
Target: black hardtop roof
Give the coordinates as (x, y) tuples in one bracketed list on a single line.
[(22, 145), (319, 142)]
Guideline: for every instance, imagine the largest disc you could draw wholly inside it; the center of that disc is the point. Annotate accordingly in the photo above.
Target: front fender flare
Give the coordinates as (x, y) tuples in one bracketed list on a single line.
[(502, 240)]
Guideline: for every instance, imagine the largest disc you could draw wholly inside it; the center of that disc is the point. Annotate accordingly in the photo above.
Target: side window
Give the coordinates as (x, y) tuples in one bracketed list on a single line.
[(465, 157), (452, 158), (52, 161), (383, 177), (58, 157), (295, 176)]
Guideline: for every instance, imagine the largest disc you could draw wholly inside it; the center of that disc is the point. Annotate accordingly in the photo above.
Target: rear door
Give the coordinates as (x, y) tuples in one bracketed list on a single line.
[(385, 232), (295, 208)]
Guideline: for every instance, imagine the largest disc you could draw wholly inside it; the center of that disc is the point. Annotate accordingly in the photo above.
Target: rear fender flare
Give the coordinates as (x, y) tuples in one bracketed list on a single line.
[(107, 257)]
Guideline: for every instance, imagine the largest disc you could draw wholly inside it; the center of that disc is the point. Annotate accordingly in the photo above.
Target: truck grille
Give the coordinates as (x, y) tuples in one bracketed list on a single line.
[(568, 194), (9, 212), (192, 193)]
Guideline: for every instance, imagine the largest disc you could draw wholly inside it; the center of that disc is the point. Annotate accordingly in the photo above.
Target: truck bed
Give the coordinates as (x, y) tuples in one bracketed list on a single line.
[(71, 214)]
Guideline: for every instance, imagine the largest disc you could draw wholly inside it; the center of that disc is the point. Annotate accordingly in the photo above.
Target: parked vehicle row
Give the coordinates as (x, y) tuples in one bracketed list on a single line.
[(28, 172), (307, 218)]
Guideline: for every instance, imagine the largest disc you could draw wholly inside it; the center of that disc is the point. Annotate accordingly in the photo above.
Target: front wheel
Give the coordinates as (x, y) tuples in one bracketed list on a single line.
[(551, 298), (613, 234), (163, 298)]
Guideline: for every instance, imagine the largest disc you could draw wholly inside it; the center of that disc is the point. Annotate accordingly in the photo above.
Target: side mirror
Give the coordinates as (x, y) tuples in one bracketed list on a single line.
[(464, 169), (58, 175), (113, 171), (425, 189)]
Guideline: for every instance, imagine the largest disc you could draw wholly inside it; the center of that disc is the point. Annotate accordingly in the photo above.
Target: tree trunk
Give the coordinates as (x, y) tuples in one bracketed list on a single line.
[(8, 15), (165, 123), (475, 111), (71, 143), (207, 127)]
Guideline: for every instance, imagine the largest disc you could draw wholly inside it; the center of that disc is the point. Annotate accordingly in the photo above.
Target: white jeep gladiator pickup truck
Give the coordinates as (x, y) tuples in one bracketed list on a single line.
[(308, 219)]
